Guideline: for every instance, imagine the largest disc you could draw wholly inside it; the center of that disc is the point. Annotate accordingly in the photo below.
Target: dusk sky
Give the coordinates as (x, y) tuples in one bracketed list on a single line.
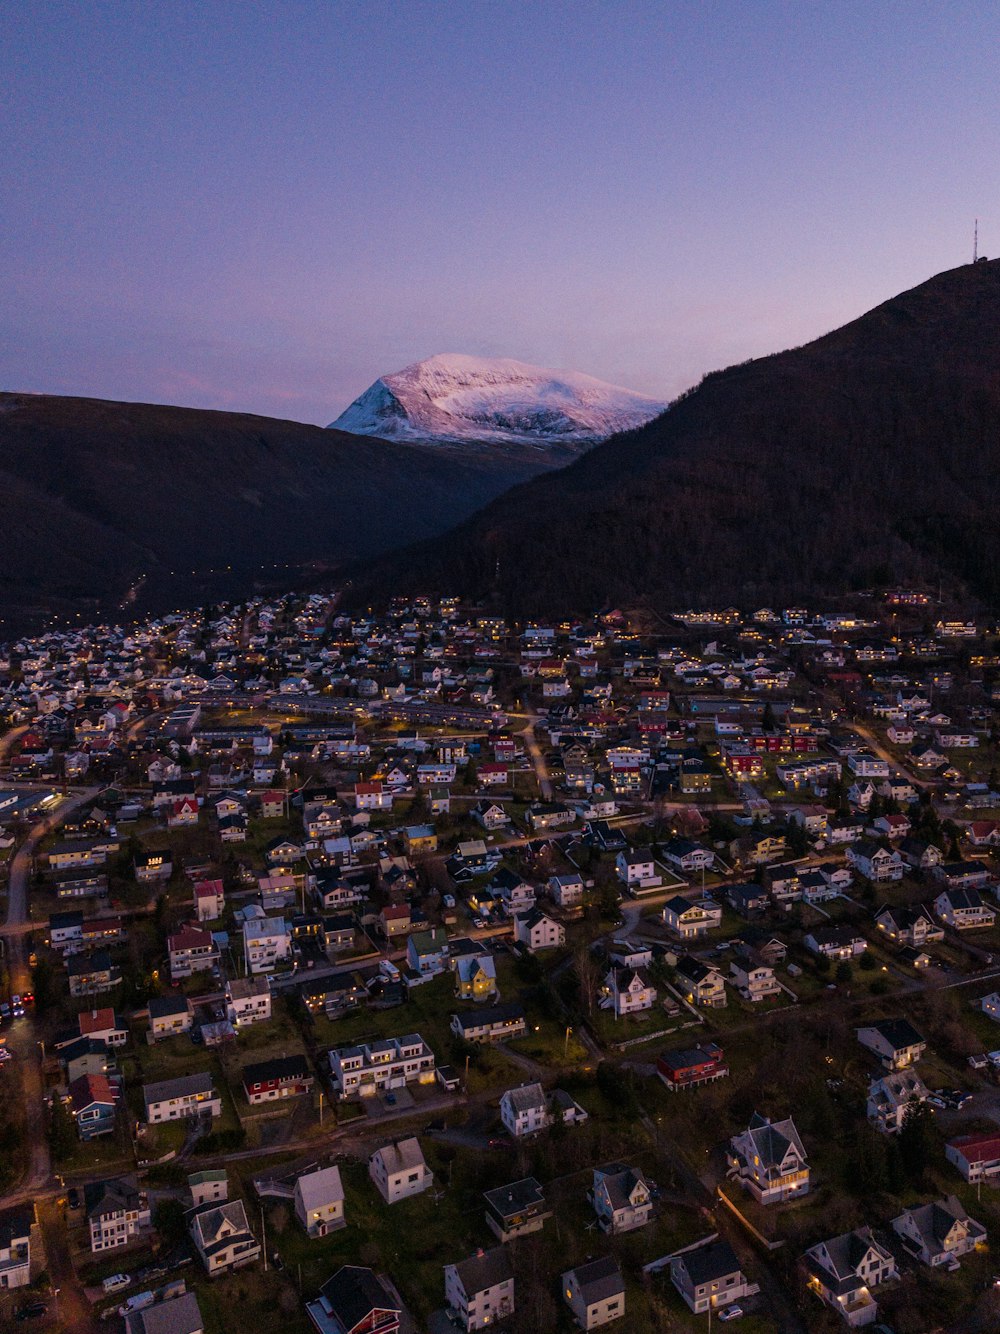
[(265, 206)]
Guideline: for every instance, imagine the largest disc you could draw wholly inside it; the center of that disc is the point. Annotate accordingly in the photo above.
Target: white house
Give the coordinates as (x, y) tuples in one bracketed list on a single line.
[(399, 1170)]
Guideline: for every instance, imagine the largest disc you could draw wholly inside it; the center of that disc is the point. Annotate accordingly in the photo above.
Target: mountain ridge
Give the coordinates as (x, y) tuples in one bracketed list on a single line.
[(871, 453), (453, 398)]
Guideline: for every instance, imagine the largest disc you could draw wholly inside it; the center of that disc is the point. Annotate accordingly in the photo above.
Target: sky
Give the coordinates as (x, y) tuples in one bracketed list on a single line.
[(265, 206)]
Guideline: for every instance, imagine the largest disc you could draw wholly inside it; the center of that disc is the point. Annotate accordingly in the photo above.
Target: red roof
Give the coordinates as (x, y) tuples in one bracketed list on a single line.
[(189, 937), (275, 795), (97, 1021), (90, 1088), (391, 914), (204, 888), (368, 789), (977, 1148)]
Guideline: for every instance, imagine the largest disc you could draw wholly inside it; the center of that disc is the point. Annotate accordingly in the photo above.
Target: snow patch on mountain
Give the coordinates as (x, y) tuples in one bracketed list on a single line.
[(457, 398)]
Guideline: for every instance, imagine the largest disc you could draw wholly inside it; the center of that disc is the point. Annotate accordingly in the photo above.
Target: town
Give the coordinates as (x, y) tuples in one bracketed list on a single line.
[(419, 970)]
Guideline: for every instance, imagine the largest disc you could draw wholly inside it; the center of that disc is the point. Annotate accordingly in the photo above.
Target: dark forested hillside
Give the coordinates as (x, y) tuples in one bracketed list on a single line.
[(99, 495), (869, 455)]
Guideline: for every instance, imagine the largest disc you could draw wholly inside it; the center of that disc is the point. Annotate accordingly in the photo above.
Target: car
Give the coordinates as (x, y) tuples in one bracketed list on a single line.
[(979, 1062), (115, 1282), (731, 1313), (959, 1102), (31, 1312), (5, 1055), (74, 1197), (939, 1103), (390, 1099)]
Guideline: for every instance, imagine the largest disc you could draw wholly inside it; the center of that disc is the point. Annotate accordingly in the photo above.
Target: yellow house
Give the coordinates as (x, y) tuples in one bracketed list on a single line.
[(476, 978), (420, 838)]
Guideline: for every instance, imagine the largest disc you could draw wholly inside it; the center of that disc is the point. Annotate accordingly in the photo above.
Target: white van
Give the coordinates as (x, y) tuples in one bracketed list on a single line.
[(115, 1282)]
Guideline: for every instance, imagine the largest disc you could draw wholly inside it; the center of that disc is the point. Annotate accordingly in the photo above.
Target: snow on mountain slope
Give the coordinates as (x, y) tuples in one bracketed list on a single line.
[(455, 398)]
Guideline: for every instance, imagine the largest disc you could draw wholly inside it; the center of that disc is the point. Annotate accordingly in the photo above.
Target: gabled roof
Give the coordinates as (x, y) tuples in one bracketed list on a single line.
[(598, 1280), (354, 1293)]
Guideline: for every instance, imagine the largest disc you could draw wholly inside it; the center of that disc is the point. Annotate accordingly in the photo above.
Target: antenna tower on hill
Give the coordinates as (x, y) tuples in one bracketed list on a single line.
[(975, 242)]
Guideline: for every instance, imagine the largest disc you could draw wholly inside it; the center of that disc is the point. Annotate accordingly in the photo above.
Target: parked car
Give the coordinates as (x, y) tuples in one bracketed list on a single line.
[(73, 1196), (31, 1312), (115, 1282), (731, 1313)]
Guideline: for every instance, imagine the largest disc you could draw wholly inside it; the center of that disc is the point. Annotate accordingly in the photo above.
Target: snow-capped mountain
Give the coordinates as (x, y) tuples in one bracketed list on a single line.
[(451, 398)]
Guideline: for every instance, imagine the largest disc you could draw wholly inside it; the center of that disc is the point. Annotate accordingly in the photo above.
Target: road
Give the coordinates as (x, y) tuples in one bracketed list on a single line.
[(894, 764), (537, 758)]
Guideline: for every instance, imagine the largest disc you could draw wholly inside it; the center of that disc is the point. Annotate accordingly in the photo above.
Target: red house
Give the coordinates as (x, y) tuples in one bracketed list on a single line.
[(685, 1067), (284, 1077)]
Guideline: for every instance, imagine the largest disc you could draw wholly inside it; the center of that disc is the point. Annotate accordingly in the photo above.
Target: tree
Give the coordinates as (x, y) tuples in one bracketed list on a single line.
[(768, 721), (844, 972), (168, 1219), (868, 963), (917, 1140), (588, 978), (62, 1132)]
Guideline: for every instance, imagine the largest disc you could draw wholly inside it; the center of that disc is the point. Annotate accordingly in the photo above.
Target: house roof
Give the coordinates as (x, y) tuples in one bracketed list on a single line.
[(977, 1148), (179, 1315), (320, 1188), (98, 1021), (484, 1270), (897, 1033), (525, 1097), (15, 1223), (402, 1156), (707, 1264), (516, 1197), (281, 1067), (598, 1280), (353, 1293), (182, 1087)]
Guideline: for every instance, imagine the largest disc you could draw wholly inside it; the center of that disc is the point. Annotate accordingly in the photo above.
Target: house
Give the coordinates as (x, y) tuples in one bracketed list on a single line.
[(93, 1101), (690, 921), (479, 1291), (267, 941), (513, 891), (210, 1185), (701, 983), (209, 900), (90, 974), (990, 1005), (940, 1232), (963, 909), (843, 1270), (385, 1064), (895, 1042), (182, 813), (517, 1209), (399, 1170), (103, 1026), (891, 826), (566, 891), (525, 1110), (595, 1292), (835, 942), (495, 1023), (318, 1201), (476, 977), (875, 863), (15, 1246), (174, 1099), (536, 931), (628, 991), (355, 1301), (169, 1015), (768, 1160), (426, 953), (156, 864), (889, 1098), (420, 839), (977, 1157), (280, 1077), (621, 1197), (191, 950), (116, 1211), (748, 899), (491, 815), (688, 857), (395, 920), (222, 1236), (708, 1276), (919, 855), (636, 869), (912, 926), (248, 1001), (752, 976), (783, 882), (66, 932), (687, 1067)]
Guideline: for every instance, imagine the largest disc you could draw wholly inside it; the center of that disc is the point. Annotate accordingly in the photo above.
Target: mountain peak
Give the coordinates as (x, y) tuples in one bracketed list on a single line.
[(453, 398)]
